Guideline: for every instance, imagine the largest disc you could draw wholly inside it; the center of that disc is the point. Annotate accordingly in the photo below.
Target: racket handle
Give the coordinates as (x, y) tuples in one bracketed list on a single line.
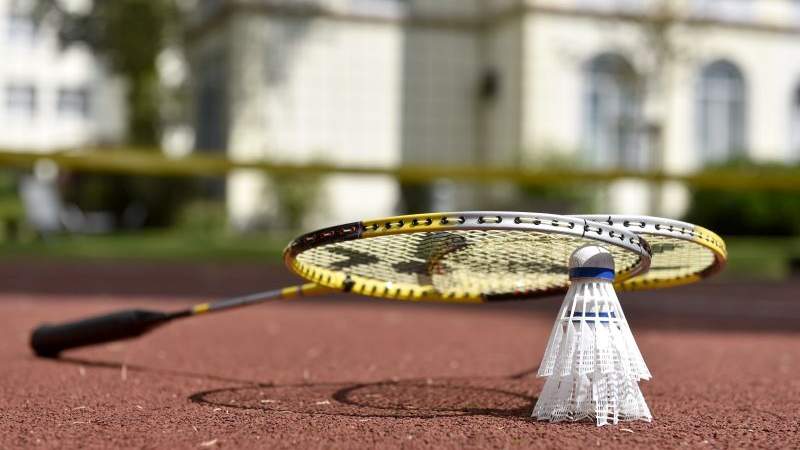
[(48, 340)]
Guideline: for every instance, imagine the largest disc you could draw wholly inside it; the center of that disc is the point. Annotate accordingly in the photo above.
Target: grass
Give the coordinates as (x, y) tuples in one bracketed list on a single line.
[(156, 245), (749, 257)]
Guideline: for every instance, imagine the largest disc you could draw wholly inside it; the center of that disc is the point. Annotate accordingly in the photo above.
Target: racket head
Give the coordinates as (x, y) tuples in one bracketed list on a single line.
[(682, 253), (473, 256)]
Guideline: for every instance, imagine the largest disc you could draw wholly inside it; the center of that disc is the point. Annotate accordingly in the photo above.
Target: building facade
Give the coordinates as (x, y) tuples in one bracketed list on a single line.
[(52, 97), (641, 85)]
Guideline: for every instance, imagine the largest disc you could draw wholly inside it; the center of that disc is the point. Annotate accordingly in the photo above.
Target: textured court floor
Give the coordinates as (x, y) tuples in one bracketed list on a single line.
[(344, 372)]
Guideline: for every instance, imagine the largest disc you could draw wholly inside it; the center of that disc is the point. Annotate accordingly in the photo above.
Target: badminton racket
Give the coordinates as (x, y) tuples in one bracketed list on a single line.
[(459, 257)]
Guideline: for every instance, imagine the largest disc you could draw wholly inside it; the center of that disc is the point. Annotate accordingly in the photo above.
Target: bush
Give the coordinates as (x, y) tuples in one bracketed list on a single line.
[(133, 201), (297, 195), (747, 212), (12, 213), (203, 215), (562, 198), (506, 195)]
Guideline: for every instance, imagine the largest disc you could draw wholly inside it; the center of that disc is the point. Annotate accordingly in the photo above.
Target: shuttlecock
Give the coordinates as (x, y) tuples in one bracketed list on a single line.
[(591, 362)]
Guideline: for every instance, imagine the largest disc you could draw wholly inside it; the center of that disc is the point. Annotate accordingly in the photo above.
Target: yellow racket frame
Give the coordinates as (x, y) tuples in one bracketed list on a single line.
[(702, 239), (598, 233)]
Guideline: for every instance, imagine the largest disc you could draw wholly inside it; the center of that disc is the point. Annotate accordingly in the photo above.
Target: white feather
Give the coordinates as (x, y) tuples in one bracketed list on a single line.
[(592, 362)]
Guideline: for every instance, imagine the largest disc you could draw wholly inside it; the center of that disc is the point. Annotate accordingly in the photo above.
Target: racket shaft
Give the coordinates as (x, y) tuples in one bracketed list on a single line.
[(49, 340), (304, 290)]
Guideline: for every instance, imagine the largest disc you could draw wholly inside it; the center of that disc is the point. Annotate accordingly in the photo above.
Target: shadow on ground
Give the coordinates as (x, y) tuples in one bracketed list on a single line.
[(423, 399), (503, 396)]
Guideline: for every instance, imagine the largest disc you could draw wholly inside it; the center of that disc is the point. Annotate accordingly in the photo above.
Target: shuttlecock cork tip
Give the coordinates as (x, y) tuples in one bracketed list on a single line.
[(591, 261)]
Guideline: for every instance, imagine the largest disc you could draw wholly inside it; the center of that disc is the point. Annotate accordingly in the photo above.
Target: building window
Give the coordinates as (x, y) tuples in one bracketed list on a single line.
[(613, 130), (721, 107), (21, 100), (737, 11), (794, 145), (210, 112), (209, 8), (20, 28), (390, 7), (73, 102), (613, 5)]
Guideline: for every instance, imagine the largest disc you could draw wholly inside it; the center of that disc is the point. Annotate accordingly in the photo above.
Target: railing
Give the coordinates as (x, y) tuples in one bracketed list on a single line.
[(153, 162)]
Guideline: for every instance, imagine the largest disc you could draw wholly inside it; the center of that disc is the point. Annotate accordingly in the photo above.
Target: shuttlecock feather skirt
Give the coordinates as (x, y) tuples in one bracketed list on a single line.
[(592, 362)]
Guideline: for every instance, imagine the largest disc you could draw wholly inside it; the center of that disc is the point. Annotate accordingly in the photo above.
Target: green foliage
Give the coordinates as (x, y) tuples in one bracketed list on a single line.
[(152, 245), (748, 212), (133, 201), (9, 201), (417, 198), (559, 198), (11, 211), (130, 34), (765, 258), (202, 215), (296, 196)]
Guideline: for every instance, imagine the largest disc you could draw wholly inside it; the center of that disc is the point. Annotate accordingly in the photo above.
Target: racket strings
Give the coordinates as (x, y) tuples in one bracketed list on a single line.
[(674, 259), (475, 262)]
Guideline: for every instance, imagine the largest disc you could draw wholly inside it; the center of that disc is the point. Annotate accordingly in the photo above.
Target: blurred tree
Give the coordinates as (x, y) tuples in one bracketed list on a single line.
[(130, 35), (297, 196), (659, 29), (11, 210)]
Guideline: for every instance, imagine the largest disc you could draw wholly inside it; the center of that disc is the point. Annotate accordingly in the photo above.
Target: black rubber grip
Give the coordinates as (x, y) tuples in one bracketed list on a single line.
[(49, 340)]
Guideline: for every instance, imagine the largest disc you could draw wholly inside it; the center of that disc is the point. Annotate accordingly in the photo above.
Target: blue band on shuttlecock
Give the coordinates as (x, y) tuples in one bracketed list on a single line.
[(592, 272), (577, 316), (593, 314)]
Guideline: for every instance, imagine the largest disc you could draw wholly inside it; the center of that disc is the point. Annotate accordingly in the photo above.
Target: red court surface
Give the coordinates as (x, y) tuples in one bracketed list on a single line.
[(346, 372)]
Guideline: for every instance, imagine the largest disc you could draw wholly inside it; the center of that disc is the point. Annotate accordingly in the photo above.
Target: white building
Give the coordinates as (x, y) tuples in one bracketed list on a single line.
[(52, 97), (602, 83)]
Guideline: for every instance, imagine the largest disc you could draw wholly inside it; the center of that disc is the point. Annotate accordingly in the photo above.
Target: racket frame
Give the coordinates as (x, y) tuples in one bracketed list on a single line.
[(659, 226), (600, 233)]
